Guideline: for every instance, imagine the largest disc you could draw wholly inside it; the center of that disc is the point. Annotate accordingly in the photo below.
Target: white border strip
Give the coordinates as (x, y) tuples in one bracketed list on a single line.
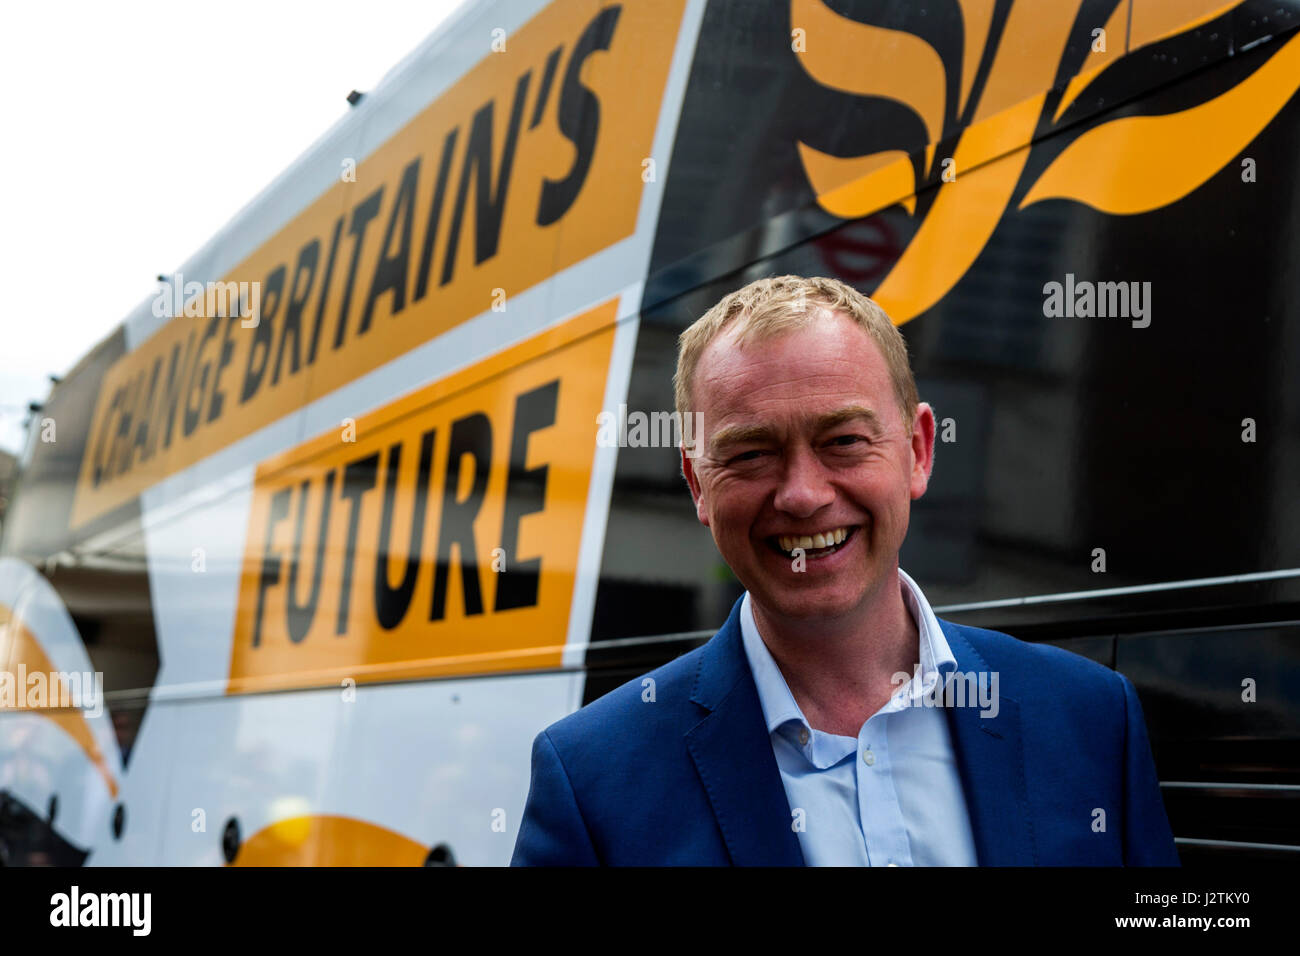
[(1197, 785), (1189, 841), (600, 488), (1134, 589)]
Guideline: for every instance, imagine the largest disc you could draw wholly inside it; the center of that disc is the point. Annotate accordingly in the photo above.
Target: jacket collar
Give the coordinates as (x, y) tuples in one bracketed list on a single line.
[(733, 755)]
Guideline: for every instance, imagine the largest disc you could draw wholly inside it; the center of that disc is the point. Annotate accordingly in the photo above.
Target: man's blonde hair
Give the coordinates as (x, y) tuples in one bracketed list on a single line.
[(769, 307)]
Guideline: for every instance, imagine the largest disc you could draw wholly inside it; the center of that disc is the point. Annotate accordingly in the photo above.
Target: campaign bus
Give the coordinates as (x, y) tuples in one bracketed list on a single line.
[(384, 479)]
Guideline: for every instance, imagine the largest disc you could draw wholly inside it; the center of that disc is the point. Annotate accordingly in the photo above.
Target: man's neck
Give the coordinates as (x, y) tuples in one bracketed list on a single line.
[(842, 671)]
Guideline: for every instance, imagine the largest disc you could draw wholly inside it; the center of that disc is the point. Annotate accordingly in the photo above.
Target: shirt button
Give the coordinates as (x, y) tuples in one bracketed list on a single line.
[(803, 737), (868, 757)]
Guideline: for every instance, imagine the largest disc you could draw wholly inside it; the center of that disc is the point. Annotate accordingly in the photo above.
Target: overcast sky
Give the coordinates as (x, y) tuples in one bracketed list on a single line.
[(135, 130)]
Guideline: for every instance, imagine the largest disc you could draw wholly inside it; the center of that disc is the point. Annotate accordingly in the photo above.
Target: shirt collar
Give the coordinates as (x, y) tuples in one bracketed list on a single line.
[(936, 660), (773, 692)]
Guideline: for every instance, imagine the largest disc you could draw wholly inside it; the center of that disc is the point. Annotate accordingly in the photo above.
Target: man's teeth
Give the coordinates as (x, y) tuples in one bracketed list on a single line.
[(823, 540)]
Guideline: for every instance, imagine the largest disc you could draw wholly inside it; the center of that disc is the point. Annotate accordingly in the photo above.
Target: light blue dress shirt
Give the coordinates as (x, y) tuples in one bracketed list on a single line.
[(892, 795)]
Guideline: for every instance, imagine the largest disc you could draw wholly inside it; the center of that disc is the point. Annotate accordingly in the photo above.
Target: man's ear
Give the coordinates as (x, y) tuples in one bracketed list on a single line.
[(922, 448), (693, 482)]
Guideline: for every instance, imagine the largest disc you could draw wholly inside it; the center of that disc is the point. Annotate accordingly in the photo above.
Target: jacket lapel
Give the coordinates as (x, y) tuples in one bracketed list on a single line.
[(991, 762), (733, 755)]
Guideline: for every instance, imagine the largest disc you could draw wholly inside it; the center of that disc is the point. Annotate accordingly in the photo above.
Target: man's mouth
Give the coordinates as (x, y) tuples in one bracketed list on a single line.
[(812, 545)]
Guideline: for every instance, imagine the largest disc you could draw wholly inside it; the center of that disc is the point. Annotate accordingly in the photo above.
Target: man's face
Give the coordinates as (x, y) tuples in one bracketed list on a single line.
[(803, 437)]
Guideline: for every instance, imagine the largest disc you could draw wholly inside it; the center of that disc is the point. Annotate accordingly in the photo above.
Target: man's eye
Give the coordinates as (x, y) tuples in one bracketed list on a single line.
[(844, 440), (750, 455)]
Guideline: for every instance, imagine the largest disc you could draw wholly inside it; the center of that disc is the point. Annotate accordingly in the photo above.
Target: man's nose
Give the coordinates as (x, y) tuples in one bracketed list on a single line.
[(805, 487)]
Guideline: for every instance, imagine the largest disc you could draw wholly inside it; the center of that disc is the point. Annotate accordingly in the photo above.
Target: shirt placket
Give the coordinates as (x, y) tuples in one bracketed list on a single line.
[(879, 811)]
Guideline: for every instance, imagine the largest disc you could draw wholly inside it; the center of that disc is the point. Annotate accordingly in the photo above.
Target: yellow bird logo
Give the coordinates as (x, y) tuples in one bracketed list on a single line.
[(1125, 166)]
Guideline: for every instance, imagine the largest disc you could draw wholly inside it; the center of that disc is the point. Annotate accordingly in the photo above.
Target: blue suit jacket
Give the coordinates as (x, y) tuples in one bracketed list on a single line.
[(690, 778)]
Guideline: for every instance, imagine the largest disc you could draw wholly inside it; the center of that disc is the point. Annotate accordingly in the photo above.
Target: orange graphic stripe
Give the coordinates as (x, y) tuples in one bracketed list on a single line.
[(1141, 163), (848, 55)]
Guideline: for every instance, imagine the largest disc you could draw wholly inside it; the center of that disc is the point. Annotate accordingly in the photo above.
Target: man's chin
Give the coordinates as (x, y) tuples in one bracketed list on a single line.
[(807, 605)]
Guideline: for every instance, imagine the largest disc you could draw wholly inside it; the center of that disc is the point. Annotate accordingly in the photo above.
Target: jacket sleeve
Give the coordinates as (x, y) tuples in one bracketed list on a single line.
[(1148, 840), (552, 832)]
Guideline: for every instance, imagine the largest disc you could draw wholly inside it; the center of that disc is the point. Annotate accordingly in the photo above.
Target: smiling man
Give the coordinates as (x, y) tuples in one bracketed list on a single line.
[(806, 730)]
